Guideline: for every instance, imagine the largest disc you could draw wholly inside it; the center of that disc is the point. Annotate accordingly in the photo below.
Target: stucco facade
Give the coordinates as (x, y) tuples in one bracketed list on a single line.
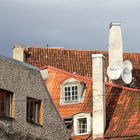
[(25, 81)]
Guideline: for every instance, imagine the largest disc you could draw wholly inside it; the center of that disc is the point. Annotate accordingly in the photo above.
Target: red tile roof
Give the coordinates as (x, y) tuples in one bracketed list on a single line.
[(55, 79), (123, 112), (68, 60), (78, 61)]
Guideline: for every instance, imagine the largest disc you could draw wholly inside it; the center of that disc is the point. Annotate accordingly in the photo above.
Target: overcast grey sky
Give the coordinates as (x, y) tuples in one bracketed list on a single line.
[(72, 24)]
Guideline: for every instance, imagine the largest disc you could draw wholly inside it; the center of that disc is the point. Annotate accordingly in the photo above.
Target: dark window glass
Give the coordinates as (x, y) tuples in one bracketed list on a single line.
[(82, 125), (5, 103), (33, 110)]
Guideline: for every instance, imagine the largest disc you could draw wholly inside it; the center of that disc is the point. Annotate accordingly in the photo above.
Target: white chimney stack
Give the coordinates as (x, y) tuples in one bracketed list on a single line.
[(99, 111), (115, 45), (18, 53)]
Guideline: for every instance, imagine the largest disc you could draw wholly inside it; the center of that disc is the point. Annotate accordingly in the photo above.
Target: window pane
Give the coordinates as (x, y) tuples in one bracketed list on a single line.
[(66, 94), (71, 93), (73, 97), (2, 102), (72, 87), (33, 110), (5, 103), (68, 88), (75, 87), (65, 88), (36, 112), (82, 125), (66, 98)]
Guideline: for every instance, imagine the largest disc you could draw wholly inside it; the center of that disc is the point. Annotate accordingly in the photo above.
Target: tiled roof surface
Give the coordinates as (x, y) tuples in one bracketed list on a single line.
[(123, 112), (78, 61), (55, 78), (68, 60)]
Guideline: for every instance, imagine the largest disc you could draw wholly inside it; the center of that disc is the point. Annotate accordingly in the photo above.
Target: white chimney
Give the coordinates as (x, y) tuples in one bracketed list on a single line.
[(18, 53), (99, 111), (115, 45)]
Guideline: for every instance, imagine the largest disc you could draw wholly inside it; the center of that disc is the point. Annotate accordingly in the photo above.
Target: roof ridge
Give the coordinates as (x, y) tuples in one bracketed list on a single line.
[(66, 72), (122, 87), (88, 78), (19, 63), (61, 48)]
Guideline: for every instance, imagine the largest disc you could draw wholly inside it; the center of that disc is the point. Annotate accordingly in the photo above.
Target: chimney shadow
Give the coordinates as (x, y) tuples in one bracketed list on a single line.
[(112, 98)]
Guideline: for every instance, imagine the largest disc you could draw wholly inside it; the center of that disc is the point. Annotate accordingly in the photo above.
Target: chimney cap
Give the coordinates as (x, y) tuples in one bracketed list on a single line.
[(98, 55), (18, 46), (114, 24)]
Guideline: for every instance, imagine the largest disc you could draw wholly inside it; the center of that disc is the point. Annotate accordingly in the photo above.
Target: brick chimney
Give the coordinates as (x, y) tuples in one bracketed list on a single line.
[(115, 44), (18, 53), (99, 111)]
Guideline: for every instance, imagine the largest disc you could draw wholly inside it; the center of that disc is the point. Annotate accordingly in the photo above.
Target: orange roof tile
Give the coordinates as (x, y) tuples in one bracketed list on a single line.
[(123, 112), (79, 61), (55, 78)]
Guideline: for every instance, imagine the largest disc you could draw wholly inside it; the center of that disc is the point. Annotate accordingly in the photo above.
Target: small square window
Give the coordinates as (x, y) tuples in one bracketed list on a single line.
[(5, 103), (71, 93), (33, 110), (82, 125)]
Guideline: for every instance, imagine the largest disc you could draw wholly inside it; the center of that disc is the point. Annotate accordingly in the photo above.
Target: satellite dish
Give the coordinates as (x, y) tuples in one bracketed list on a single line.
[(44, 74), (127, 72), (114, 72), (127, 75), (127, 64)]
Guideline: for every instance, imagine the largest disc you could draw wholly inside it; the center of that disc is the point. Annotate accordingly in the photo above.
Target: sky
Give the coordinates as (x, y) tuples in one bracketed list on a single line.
[(72, 24)]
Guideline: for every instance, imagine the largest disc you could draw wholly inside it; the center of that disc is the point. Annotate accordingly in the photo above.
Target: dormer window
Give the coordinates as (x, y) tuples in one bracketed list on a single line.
[(71, 91), (82, 124)]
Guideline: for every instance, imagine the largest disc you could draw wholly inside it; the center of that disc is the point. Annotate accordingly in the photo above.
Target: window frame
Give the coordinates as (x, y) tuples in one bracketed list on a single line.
[(71, 86), (77, 117), (71, 83), (7, 104), (34, 105)]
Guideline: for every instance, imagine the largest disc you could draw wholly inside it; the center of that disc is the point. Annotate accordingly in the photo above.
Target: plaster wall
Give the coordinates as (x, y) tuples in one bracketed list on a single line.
[(25, 82)]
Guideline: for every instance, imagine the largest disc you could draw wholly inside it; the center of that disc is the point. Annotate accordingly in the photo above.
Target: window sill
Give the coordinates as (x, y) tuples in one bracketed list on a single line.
[(81, 134), (6, 118), (70, 103), (37, 124)]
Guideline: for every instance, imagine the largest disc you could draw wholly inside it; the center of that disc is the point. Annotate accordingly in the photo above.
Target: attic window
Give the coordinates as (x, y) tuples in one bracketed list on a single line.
[(82, 124), (71, 91)]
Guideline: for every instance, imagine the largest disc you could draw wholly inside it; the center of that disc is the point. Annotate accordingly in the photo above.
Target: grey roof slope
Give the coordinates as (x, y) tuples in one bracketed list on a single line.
[(16, 62)]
